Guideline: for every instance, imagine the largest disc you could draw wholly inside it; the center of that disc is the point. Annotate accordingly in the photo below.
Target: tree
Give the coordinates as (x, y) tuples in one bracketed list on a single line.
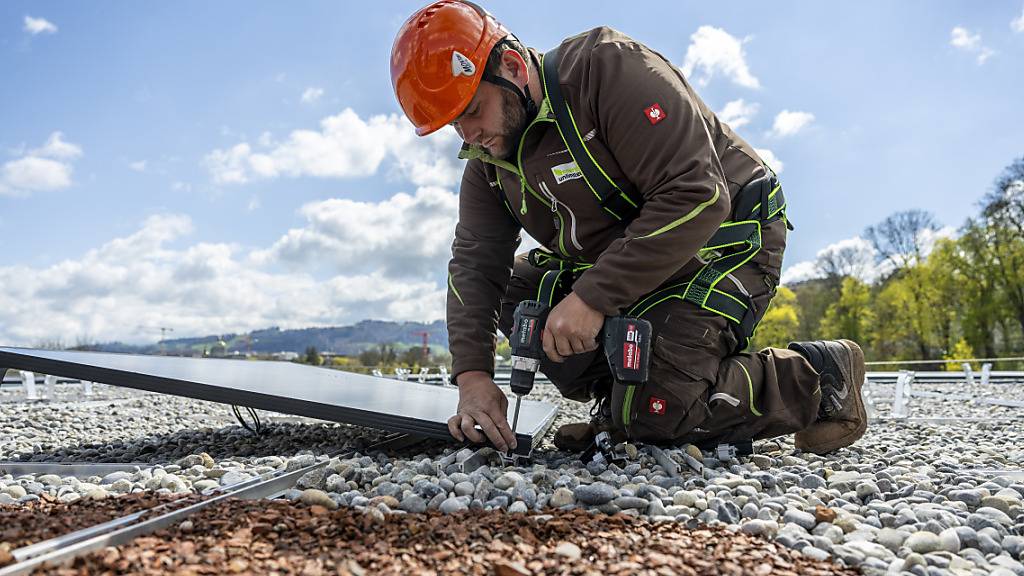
[(982, 299), (894, 335), (901, 238), (812, 299), (960, 351), (780, 323), (312, 356), (1003, 213), (382, 355), (851, 315), (854, 257), (412, 357)]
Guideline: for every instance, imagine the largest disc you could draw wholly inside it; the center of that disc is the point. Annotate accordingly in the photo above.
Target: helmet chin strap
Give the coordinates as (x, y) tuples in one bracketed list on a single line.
[(524, 95)]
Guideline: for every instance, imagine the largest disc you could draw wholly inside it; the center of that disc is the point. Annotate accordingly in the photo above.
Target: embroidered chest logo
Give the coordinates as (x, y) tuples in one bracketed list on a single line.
[(567, 171), (654, 113), (656, 406)]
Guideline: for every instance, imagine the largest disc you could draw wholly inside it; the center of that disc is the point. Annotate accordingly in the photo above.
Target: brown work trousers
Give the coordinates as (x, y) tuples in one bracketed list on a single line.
[(700, 390)]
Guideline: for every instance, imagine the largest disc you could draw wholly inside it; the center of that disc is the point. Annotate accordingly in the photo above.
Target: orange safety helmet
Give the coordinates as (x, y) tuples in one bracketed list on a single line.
[(438, 60)]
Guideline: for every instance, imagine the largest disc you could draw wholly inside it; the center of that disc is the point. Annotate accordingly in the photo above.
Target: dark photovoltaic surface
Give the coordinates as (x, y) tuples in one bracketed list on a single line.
[(382, 403)]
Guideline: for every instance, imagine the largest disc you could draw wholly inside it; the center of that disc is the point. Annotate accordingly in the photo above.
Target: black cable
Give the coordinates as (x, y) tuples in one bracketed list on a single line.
[(256, 426)]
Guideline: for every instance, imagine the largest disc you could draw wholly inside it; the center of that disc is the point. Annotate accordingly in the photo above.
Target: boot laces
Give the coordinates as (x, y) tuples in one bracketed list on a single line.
[(831, 403)]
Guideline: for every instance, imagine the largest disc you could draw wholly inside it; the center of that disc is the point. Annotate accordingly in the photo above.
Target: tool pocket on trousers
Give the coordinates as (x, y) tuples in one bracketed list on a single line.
[(730, 399), (674, 400)]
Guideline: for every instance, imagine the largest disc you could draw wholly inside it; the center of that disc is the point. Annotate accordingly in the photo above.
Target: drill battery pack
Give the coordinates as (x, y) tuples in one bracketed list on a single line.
[(627, 345)]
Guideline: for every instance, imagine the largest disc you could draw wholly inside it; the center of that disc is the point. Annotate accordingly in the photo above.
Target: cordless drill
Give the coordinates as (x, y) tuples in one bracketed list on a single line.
[(627, 344), (527, 349)]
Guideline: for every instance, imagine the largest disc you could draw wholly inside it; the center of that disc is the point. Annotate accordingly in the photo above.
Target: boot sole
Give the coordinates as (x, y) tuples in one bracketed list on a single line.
[(857, 371)]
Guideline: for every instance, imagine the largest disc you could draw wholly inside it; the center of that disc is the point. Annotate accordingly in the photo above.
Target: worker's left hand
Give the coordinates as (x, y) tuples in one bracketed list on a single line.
[(572, 328)]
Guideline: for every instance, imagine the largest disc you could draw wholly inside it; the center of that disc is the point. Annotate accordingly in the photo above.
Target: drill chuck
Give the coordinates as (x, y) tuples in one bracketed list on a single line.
[(524, 370), (527, 344)]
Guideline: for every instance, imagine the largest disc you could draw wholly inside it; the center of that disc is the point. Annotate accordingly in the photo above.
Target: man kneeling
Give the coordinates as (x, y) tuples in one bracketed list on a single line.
[(645, 204)]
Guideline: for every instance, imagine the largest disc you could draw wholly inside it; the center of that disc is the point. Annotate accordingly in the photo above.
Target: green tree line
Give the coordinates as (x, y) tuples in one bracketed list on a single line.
[(908, 293)]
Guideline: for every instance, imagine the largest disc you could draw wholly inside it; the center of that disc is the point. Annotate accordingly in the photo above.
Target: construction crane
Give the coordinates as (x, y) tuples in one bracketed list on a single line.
[(163, 334), (426, 344)]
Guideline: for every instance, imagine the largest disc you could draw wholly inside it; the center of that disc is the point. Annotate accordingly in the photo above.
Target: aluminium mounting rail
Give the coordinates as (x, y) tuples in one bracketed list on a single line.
[(122, 530)]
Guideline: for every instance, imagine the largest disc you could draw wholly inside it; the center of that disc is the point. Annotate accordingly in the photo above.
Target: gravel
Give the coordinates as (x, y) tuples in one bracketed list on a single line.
[(922, 497), (260, 538), (47, 518)]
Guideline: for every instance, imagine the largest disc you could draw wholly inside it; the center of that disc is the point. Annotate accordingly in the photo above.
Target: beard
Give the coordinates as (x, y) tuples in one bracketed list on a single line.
[(513, 124)]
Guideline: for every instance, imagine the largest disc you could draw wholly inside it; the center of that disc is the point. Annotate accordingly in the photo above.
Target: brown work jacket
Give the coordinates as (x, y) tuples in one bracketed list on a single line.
[(645, 126)]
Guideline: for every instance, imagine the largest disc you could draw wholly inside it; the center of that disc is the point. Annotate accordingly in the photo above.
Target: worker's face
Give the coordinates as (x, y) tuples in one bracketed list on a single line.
[(493, 120)]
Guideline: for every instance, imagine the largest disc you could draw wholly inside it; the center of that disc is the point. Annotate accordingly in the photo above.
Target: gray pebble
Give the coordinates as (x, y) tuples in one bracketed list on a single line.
[(923, 542), (594, 494), (765, 528), (414, 504), (800, 518), (464, 489), (115, 476), (455, 504), (1014, 545), (631, 502), (561, 497)]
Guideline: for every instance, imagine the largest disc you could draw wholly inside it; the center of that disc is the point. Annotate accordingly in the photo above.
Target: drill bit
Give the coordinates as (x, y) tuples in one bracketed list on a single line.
[(515, 419)]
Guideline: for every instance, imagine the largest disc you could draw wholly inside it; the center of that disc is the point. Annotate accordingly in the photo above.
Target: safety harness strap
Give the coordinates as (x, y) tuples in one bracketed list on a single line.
[(610, 196), (735, 243)]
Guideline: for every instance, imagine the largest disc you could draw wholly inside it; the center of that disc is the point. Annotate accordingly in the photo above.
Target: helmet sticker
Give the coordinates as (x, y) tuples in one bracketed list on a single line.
[(462, 66)]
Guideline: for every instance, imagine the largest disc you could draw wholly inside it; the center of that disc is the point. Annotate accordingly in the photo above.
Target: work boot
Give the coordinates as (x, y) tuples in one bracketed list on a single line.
[(578, 436), (841, 415)]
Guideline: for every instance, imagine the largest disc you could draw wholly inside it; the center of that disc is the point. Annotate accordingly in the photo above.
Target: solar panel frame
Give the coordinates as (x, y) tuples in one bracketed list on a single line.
[(420, 409)]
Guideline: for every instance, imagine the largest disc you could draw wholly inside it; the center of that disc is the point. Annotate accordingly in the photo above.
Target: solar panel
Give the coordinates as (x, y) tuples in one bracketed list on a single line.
[(322, 393)]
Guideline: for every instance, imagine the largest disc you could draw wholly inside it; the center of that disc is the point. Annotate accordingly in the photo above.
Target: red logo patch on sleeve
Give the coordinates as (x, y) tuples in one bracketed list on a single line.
[(654, 113), (656, 406)]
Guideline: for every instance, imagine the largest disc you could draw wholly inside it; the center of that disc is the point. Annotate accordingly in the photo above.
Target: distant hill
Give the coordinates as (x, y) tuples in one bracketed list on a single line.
[(347, 340)]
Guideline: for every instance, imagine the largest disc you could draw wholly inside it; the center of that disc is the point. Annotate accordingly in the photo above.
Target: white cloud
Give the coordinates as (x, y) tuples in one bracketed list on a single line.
[(788, 123), (346, 146), (139, 166), (1017, 24), (928, 238), (738, 113), (770, 159), (39, 26), (799, 272), (853, 256), (42, 169), (312, 94), (34, 174), (713, 50), (857, 257), (401, 237), (144, 280), (56, 147), (963, 39)]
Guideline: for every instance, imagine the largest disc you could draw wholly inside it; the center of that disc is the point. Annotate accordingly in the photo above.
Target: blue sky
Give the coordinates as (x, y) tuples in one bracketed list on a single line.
[(218, 167)]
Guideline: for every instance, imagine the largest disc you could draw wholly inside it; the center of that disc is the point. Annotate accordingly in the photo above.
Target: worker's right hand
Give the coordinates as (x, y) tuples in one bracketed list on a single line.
[(481, 403)]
